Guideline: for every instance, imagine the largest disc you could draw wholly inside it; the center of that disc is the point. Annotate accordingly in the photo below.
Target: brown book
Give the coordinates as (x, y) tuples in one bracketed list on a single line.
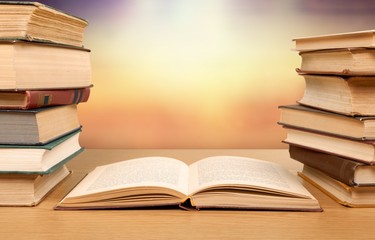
[(344, 95), (37, 126), (337, 40), (28, 189), (309, 118), (34, 21), (350, 172), (31, 99), (40, 66), (350, 62), (215, 182), (338, 191), (358, 150)]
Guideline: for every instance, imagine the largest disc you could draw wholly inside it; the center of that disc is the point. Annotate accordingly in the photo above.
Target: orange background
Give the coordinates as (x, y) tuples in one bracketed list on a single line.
[(199, 74)]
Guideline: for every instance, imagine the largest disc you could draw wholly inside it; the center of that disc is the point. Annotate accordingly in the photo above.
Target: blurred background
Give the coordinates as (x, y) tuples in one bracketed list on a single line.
[(199, 73)]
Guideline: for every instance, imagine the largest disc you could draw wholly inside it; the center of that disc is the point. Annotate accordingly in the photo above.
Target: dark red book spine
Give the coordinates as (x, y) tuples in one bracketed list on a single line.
[(44, 98)]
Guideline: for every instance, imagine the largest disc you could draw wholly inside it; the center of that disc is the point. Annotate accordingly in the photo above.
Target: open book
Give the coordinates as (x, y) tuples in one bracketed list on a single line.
[(213, 182)]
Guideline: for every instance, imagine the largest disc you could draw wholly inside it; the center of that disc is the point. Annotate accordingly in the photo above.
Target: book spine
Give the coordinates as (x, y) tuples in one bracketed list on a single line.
[(339, 168), (36, 99)]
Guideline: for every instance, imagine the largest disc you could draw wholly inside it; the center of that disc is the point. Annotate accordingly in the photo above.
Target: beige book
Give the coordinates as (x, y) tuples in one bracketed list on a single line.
[(214, 182), (349, 61), (338, 40), (40, 159), (299, 116), (30, 66), (344, 95), (361, 196), (21, 189), (34, 21), (358, 150)]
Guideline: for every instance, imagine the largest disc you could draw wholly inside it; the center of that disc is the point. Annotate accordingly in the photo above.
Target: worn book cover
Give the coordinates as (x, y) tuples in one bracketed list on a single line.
[(358, 150), (40, 66), (36, 22), (311, 118), (39, 159), (31, 99), (354, 39), (37, 126), (342, 169)]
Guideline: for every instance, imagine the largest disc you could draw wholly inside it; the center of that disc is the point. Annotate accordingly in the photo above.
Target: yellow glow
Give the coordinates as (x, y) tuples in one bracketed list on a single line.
[(191, 74)]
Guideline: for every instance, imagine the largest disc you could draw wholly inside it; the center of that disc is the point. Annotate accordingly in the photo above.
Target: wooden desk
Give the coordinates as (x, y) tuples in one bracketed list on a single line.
[(42, 222)]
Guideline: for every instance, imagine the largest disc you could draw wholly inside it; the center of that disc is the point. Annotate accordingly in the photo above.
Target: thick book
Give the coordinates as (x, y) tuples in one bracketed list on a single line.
[(344, 95), (34, 21), (29, 189), (338, 191), (357, 127), (345, 170), (37, 126), (229, 182), (36, 66), (354, 39), (39, 159), (31, 99), (357, 150), (346, 62)]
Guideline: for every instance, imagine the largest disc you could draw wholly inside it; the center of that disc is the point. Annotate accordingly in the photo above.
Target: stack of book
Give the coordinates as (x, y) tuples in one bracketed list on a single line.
[(332, 128), (44, 73)]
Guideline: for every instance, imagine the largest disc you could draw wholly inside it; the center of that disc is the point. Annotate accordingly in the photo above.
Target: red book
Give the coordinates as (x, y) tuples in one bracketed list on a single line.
[(30, 99)]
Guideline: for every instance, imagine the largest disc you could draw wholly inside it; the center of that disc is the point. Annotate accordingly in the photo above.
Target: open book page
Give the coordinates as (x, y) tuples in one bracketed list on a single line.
[(232, 170), (140, 172)]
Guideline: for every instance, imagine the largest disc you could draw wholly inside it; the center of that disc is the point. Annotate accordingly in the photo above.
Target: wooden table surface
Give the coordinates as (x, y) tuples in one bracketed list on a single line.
[(42, 222)]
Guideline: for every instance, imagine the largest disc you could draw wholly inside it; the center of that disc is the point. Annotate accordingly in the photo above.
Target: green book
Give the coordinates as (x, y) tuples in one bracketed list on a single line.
[(43, 159)]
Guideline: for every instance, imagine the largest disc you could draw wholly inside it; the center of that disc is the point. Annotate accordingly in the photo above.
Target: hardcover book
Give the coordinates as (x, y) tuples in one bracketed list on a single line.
[(31, 99), (338, 40), (39, 159), (349, 62), (357, 127), (216, 182), (37, 126), (338, 191), (357, 150), (344, 95), (35, 66), (34, 21), (29, 189), (345, 170)]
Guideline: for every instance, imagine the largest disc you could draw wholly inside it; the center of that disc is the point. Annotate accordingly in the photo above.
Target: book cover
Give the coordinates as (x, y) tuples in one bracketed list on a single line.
[(310, 118), (40, 5), (48, 146), (41, 66), (336, 40), (29, 158), (49, 170), (29, 189), (348, 95), (342, 62), (37, 126), (339, 168), (357, 150), (338, 191), (36, 22), (31, 99)]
